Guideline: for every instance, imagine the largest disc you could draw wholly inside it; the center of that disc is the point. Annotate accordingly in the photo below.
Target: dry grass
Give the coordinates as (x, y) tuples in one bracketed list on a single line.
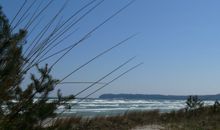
[(122, 122), (205, 118)]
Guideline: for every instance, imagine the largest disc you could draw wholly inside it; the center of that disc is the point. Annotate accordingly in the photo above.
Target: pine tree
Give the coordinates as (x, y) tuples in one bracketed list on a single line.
[(193, 102), (18, 107)]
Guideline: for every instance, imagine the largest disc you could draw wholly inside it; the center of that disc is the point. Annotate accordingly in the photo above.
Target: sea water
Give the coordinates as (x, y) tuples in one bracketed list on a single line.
[(100, 107)]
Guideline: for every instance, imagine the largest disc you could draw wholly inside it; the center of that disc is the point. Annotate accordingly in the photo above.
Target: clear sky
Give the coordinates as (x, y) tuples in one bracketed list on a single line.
[(178, 41)]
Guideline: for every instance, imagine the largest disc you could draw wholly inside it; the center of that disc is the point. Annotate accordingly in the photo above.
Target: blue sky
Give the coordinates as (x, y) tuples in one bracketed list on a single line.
[(178, 41)]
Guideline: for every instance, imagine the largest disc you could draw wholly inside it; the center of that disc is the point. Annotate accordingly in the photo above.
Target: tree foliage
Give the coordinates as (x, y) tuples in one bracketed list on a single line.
[(19, 107), (193, 102)]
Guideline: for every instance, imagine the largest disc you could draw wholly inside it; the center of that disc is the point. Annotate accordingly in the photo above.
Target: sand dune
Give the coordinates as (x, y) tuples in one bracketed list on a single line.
[(149, 127)]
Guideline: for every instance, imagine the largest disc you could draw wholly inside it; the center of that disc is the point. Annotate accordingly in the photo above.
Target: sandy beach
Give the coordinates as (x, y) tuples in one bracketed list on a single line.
[(149, 127)]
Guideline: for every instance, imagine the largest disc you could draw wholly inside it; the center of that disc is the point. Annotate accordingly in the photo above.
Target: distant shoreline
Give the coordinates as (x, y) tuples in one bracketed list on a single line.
[(156, 97)]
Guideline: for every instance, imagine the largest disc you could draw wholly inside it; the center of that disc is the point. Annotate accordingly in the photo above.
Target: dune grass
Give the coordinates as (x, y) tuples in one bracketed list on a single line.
[(203, 118), (121, 122)]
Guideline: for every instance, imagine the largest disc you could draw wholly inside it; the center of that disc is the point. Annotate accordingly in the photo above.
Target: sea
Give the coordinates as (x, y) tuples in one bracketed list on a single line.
[(112, 107)]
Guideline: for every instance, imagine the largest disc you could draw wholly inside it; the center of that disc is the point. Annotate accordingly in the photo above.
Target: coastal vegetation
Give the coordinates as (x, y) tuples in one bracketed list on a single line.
[(189, 118), (18, 107)]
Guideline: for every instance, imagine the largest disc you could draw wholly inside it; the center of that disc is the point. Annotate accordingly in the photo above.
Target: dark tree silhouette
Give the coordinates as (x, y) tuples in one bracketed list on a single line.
[(18, 109), (193, 102)]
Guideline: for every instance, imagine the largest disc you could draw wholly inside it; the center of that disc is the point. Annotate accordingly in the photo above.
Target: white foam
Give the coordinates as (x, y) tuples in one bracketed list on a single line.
[(94, 106)]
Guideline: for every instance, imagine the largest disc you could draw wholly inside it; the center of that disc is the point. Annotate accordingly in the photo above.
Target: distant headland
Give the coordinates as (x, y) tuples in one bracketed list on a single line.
[(156, 97)]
